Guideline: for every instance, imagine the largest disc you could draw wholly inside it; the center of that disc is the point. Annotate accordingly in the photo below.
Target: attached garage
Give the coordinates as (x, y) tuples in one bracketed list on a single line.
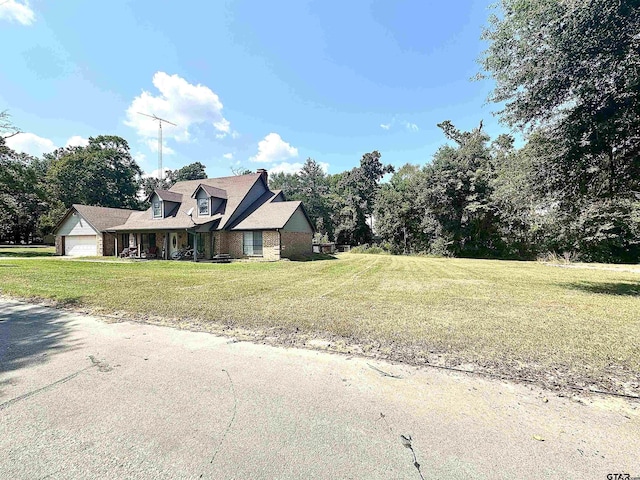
[(80, 245), (81, 232)]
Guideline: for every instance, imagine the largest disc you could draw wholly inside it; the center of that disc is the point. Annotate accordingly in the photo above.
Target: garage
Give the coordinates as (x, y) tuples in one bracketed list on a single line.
[(81, 232), (80, 245)]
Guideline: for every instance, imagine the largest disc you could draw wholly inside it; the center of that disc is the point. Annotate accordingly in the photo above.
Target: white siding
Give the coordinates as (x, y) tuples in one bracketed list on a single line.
[(80, 245), (298, 223), (76, 225)]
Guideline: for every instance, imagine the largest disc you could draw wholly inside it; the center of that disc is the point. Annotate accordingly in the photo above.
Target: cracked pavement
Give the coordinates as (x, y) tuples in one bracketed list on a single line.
[(81, 398)]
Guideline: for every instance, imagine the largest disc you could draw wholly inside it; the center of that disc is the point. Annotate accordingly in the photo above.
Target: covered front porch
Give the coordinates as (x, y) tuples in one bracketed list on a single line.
[(166, 245)]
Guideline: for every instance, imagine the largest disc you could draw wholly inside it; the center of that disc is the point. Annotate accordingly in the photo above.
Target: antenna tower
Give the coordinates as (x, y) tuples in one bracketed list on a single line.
[(160, 120)]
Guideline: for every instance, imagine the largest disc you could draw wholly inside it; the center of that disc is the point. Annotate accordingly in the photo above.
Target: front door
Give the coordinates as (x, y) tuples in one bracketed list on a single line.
[(173, 243)]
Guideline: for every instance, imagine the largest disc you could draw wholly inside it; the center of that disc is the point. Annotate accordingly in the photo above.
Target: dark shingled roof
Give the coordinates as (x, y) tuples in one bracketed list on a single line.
[(169, 196), (269, 216), (103, 218), (236, 188), (211, 191)]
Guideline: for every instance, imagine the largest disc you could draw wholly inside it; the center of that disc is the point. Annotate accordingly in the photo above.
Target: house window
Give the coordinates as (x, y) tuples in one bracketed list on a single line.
[(203, 206), (147, 240), (191, 240), (252, 244), (157, 209)]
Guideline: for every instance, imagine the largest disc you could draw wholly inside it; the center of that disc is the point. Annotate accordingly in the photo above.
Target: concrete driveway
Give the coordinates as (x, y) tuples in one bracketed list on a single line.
[(81, 398)]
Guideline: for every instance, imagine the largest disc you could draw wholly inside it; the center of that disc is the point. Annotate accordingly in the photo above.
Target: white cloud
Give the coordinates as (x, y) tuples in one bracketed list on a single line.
[(77, 141), (223, 125), (294, 167), (13, 10), (156, 173), (30, 143), (412, 127), (228, 156), (272, 149), (286, 168), (179, 102), (139, 157), (153, 146)]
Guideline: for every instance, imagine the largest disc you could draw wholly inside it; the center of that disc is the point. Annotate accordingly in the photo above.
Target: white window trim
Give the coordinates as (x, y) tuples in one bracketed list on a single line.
[(261, 254), (208, 213), (153, 212)]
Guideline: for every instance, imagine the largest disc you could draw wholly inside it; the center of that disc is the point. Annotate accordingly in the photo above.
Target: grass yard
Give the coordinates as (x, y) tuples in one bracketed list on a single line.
[(30, 251), (523, 319)]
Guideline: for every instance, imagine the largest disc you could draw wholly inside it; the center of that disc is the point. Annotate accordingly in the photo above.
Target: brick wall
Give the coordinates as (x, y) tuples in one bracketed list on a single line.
[(270, 245), (183, 239), (218, 240), (108, 245), (99, 244), (295, 244), (206, 238), (160, 241), (234, 244), (59, 245)]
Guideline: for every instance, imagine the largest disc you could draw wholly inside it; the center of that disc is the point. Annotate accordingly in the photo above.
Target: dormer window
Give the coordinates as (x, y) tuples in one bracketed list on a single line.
[(203, 206), (157, 209)]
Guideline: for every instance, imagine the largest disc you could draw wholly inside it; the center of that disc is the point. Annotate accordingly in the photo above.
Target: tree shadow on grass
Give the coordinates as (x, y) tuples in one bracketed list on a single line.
[(628, 289), (30, 335), (313, 257), (25, 253)]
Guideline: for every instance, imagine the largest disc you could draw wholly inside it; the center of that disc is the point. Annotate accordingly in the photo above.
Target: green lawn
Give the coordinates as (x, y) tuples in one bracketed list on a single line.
[(31, 251), (523, 318)]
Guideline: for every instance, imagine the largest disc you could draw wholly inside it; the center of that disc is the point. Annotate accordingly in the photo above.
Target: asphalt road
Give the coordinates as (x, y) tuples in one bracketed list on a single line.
[(81, 398)]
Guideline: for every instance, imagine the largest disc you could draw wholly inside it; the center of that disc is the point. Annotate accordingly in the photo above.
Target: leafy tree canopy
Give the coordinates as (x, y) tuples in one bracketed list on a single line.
[(103, 173), (193, 171), (571, 70)]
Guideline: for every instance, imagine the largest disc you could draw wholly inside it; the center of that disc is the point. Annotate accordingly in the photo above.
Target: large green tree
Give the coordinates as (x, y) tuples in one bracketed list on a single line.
[(457, 195), (398, 216), (472, 199), (311, 186), (569, 71), (192, 171), (103, 173), (22, 197), (354, 197)]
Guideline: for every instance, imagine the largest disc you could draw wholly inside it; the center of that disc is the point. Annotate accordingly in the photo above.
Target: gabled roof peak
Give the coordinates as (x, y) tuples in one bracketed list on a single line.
[(211, 191), (169, 196)]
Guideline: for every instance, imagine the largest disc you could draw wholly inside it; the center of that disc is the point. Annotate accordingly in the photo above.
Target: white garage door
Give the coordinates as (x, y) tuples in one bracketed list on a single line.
[(80, 245)]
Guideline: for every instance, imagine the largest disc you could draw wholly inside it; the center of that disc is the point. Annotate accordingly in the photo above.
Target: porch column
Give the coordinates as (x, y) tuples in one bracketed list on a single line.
[(195, 246), (165, 250), (115, 254)]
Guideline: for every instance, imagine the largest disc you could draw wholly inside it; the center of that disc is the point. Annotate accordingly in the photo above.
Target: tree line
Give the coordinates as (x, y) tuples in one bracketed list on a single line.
[(36, 192), (566, 76)]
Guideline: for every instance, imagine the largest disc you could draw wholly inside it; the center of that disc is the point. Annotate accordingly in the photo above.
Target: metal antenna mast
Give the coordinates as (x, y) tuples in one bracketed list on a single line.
[(160, 120)]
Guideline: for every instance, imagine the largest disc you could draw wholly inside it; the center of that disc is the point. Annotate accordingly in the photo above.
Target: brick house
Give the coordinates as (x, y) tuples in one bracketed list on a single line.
[(237, 216)]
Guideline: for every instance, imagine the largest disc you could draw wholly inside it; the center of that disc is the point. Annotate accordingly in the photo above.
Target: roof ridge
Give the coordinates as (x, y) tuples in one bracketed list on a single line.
[(215, 178), (82, 205)]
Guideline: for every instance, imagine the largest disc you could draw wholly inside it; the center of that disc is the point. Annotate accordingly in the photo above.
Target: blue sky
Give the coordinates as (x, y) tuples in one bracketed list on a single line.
[(256, 84)]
